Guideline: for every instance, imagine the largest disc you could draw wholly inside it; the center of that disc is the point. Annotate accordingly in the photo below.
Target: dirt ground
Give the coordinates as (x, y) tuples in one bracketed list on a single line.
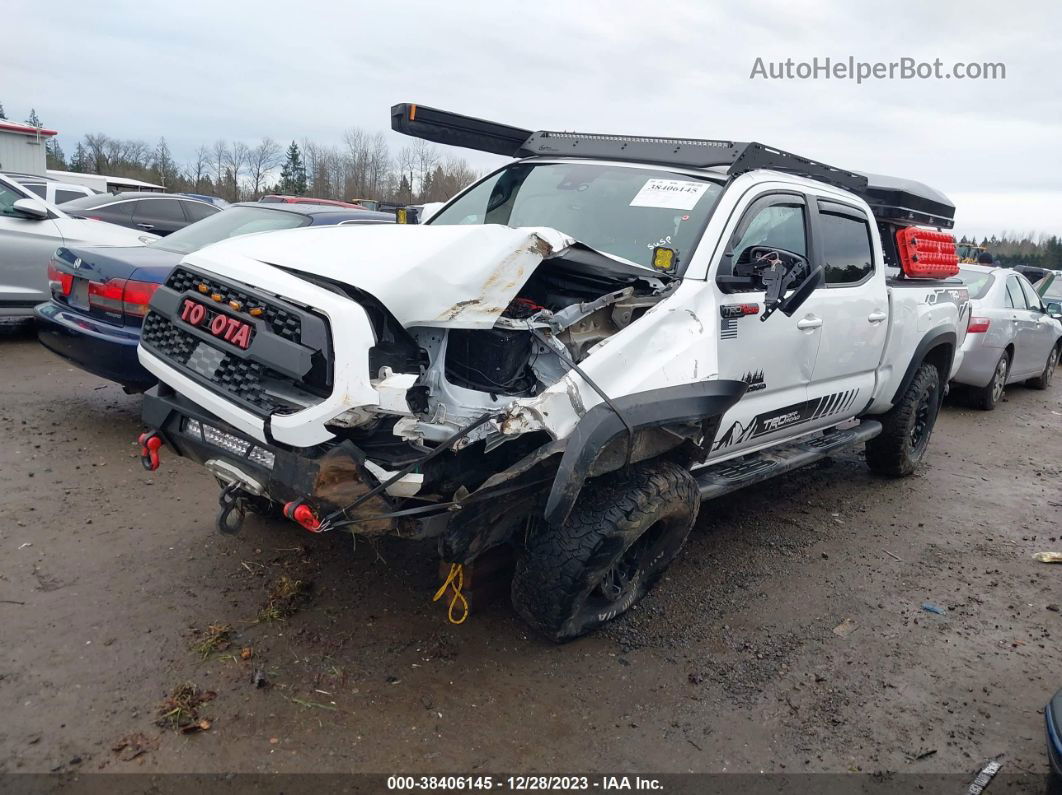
[(110, 575)]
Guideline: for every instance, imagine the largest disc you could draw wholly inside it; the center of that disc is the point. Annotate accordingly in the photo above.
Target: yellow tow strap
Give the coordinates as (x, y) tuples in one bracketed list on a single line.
[(455, 578)]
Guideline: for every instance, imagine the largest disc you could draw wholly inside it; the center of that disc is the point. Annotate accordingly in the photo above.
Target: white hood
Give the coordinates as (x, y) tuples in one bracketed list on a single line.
[(452, 276)]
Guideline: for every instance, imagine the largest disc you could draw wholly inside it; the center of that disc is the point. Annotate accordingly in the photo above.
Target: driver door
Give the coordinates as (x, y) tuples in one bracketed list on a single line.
[(27, 245), (777, 356)]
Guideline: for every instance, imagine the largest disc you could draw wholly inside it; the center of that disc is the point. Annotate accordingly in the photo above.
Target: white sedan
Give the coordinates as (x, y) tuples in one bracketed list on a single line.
[(30, 232)]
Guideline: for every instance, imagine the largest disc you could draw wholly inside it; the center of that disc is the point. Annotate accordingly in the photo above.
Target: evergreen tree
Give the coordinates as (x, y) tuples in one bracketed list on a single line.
[(2, 114), (54, 155), (164, 165), (34, 119), (293, 173), (80, 160)]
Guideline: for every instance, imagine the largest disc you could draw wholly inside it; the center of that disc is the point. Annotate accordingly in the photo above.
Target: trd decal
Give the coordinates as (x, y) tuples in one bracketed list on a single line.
[(796, 414), (959, 296), (729, 314), (755, 381)]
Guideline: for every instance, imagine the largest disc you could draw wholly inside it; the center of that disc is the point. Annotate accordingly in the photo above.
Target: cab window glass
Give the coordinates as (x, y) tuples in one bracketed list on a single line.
[(846, 250), (778, 226)]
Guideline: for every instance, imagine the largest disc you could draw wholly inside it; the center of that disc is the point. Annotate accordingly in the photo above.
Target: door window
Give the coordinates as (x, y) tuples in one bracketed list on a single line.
[(847, 255), (780, 225), (7, 200), (1014, 299), (197, 211), (37, 188), (66, 195), (1031, 298), (166, 210)]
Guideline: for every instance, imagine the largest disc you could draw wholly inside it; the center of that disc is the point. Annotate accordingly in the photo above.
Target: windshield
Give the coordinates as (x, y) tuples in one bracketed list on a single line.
[(977, 282), (229, 223), (619, 210)]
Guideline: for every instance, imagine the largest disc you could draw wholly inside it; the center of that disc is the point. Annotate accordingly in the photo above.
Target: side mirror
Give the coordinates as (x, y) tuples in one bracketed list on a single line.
[(777, 272), (1054, 309), (30, 208)]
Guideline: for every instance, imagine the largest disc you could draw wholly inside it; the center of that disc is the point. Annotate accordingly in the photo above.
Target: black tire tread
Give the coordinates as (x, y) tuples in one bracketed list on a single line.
[(981, 397), (557, 560), (887, 453), (1040, 382)]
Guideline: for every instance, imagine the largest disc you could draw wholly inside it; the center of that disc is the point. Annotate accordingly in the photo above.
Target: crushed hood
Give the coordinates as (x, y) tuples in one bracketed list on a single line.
[(450, 276)]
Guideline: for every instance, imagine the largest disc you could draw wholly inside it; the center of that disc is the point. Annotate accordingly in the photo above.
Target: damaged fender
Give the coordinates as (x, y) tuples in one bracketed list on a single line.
[(705, 402)]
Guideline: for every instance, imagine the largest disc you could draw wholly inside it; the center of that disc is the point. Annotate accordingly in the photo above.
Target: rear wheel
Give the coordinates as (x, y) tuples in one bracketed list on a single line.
[(906, 429), (988, 396), (623, 532), (1043, 381)]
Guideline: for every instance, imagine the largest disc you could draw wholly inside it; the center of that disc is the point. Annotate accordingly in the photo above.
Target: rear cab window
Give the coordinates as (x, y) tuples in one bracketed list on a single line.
[(847, 251)]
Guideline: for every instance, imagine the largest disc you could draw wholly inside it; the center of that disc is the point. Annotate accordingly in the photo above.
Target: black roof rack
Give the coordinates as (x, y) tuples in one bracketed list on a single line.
[(901, 201)]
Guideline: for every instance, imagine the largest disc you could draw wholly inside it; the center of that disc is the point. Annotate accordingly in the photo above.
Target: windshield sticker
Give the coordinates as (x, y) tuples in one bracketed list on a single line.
[(672, 194)]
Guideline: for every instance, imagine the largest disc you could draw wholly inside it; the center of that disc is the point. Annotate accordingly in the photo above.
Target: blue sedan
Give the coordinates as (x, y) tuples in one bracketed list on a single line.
[(100, 294)]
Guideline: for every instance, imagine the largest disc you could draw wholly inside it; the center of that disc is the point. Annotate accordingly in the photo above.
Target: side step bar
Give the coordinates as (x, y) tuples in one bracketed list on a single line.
[(720, 479)]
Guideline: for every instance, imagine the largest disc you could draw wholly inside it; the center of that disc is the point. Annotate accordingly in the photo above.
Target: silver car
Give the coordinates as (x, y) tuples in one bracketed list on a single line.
[(31, 230), (1011, 336)]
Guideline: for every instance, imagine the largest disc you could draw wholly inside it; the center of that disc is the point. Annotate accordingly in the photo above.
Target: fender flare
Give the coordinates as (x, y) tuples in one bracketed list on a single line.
[(704, 400), (934, 339)]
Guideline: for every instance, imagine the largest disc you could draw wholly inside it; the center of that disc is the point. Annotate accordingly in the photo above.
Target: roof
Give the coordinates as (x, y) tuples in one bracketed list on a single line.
[(103, 199), (279, 198), (25, 129), (897, 200), (304, 208)]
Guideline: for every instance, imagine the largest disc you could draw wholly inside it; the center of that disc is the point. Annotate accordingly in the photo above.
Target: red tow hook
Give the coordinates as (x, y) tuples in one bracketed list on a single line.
[(150, 443), (301, 513)]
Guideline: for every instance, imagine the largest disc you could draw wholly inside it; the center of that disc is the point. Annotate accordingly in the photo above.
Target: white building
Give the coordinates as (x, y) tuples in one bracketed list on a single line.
[(22, 147)]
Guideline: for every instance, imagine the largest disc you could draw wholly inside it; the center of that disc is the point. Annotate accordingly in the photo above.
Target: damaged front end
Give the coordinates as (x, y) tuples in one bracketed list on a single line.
[(460, 392)]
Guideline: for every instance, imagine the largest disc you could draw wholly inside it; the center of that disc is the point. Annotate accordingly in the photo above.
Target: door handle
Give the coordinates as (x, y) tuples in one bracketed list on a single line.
[(876, 317), (809, 322), (146, 226)]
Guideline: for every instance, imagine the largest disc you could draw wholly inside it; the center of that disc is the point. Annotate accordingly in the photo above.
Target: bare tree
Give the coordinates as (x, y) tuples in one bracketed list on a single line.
[(198, 169), (261, 160), (236, 160), (96, 145), (217, 161)]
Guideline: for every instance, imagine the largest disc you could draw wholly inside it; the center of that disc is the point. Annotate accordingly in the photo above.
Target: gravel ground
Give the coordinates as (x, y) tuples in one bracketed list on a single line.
[(789, 636)]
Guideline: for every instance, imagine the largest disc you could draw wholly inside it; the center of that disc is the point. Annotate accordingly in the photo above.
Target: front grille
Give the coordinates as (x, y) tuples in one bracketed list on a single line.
[(281, 322), (236, 377), (273, 376)]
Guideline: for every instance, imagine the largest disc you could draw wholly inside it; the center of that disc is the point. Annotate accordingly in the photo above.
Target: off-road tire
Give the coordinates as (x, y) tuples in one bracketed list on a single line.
[(987, 397), (900, 447), (1043, 381), (623, 531)]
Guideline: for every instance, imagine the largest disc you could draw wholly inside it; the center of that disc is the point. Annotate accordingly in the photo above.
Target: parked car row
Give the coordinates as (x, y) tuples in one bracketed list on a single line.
[(99, 296), (31, 229)]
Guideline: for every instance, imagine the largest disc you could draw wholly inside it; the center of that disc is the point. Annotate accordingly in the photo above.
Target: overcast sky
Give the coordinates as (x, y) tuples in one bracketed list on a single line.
[(196, 71)]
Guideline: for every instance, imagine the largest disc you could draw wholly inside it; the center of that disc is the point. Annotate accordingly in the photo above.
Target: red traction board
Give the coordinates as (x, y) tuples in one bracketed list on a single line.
[(926, 253)]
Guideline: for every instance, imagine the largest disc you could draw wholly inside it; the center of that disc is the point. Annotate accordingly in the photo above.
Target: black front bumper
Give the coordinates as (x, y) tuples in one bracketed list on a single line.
[(291, 477)]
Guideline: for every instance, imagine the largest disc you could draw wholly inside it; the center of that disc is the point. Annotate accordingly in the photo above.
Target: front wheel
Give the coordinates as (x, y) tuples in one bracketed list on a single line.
[(1043, 381), (900, 447), (623, 532)]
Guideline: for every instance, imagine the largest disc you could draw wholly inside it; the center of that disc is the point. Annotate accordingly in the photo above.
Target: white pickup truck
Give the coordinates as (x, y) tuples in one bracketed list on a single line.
[(569, 357)]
